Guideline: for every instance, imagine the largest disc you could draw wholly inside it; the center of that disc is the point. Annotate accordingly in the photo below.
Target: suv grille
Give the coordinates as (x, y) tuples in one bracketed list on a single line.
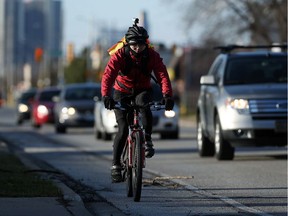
[(268, 106)]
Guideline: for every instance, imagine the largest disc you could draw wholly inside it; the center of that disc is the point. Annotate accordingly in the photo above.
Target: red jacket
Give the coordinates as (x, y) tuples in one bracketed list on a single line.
[(135, 79)]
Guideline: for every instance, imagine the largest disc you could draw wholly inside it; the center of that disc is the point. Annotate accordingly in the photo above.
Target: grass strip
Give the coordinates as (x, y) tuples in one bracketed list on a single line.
[(17, 181)]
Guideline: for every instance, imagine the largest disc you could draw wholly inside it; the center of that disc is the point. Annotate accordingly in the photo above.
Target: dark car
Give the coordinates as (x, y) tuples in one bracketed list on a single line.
[(43, 106), (24, 105), (75, 106), (243, 101)]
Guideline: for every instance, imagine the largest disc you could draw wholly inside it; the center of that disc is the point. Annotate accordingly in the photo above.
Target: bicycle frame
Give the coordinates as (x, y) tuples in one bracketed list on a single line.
[(135, 128)]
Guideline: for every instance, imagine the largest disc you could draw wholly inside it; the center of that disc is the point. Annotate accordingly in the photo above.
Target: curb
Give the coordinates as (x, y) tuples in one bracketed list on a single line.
[(75, 203)]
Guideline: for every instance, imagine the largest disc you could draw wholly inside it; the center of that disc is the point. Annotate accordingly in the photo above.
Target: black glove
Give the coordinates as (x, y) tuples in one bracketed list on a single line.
[(109, 103), (169, 102)]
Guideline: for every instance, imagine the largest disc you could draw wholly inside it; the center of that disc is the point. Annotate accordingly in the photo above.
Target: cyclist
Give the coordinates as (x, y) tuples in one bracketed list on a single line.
[(129, 72)]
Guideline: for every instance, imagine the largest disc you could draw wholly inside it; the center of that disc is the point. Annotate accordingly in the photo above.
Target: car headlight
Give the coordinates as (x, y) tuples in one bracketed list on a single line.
[(241, 105), (42, 110), (22, 108), (170, 113), (110, 115), (69, 111)]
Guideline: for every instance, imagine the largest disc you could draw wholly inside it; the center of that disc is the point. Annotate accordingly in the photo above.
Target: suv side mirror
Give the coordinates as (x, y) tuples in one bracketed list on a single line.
[(207, 80)]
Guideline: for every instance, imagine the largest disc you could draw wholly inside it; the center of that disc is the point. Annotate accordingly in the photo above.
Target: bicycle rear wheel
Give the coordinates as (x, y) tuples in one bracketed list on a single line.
[(137, 167)]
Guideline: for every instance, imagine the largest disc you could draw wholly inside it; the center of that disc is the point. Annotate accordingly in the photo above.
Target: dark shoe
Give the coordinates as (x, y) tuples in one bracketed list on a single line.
[(116, 174), (149, 150)]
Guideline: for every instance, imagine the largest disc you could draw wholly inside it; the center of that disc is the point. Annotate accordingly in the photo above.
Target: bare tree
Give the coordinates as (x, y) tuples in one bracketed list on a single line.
[(232, 21)]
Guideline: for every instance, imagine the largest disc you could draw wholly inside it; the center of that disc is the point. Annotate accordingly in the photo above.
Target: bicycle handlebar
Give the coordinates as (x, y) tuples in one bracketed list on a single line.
[(154, 106)]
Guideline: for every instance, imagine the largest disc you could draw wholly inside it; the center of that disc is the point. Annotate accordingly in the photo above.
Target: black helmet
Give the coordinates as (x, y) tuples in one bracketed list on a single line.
[(136, 34)]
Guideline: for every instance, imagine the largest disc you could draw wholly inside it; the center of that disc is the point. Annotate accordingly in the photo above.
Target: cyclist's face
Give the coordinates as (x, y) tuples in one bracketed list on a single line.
[(138, 48)]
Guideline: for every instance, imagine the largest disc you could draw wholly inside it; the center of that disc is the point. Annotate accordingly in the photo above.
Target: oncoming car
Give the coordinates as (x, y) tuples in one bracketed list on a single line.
[(43, 106), (243, 101), (165, 123), (24, 105), (75, 106)]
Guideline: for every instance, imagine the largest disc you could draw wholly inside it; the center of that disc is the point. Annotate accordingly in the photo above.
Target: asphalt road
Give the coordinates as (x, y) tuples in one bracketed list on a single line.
[(176, 180)]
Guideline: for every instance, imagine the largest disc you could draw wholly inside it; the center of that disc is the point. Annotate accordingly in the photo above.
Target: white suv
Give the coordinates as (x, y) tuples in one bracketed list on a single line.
[(243, 101)]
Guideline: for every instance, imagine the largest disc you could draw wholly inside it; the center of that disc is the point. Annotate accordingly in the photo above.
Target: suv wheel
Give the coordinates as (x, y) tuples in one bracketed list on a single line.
[(205, 146), (223, 149), (97, 133)]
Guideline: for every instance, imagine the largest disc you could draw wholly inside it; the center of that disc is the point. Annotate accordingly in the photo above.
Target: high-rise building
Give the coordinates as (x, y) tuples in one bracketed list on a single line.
[(143, 20), (11, 44), (12, 36), (43, 28), (1, 39), (24, 27)]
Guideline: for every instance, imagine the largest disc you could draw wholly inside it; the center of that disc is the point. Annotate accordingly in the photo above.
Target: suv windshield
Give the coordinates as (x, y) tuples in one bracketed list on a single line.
[(48, 95), (82, 93), (266, 69)]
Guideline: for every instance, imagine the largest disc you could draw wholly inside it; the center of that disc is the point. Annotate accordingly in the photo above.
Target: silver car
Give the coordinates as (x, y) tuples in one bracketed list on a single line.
[(165, 123), (75, 106), (242, 102)]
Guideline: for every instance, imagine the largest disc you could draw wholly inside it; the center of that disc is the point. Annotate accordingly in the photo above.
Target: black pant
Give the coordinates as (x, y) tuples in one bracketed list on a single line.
[(142, 99)]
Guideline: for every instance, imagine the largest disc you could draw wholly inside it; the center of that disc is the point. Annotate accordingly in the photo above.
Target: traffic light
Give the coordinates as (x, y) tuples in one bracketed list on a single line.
[(38, 54)]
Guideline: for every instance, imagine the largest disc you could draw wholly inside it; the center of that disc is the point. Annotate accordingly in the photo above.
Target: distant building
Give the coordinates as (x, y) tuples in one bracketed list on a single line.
[(143, 20), (43, 28), (11, 36), (24, 27)]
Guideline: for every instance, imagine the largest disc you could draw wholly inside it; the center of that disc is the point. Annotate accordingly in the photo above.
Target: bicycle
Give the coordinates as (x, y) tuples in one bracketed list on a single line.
[(133, 155)]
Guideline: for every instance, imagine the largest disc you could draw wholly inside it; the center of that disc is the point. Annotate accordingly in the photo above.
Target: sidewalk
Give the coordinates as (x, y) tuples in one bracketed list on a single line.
[(70, 204)]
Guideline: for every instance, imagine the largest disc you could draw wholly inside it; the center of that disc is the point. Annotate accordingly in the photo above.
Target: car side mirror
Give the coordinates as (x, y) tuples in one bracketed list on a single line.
[(207, 80)]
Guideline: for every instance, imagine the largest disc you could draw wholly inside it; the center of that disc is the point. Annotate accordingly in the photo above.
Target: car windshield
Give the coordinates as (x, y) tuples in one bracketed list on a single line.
[(82, 93), (27, 96), (48, 95), (270, 69)]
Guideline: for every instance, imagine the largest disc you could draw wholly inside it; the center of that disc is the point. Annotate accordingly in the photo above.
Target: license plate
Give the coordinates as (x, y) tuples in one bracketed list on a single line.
[(281, 126)]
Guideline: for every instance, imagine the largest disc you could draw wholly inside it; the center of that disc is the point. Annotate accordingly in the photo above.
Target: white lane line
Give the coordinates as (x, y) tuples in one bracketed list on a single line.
[(227, 200)]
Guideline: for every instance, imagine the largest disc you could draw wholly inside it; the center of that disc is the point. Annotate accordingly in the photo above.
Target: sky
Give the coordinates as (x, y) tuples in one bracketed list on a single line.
[(81, 18)]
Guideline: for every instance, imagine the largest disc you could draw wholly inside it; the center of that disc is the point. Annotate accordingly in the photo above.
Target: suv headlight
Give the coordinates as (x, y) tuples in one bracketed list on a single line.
[(241, 105), (68, 111), (170, 113)]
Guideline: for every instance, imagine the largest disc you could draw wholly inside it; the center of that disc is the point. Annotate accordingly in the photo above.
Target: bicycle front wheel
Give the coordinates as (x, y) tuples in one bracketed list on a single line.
[(127, 174), (137, 167)]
